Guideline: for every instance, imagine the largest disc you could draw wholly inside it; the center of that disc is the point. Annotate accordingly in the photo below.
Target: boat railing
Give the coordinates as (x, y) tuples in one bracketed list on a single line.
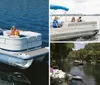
[(30, 40), (71, 25), (81, 25)]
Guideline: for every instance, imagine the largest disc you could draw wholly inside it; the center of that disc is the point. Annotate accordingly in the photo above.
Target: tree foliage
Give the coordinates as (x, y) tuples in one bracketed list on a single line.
[(90, 52), (59, 51)]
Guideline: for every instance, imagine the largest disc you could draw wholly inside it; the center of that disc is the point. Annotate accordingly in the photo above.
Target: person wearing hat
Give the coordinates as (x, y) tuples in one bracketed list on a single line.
[(57, 24)]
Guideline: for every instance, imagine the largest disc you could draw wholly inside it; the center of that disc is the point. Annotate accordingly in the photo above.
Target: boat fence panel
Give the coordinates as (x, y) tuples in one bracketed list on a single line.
[(18, 44), (16, 41), (2, 40), (83, 24)]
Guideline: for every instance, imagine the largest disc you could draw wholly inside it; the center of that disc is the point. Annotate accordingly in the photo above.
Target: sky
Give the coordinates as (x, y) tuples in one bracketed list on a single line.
[(78, 46), (79, 6)]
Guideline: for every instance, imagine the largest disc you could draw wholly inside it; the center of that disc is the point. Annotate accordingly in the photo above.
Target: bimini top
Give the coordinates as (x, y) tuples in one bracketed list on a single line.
[(55, 7)]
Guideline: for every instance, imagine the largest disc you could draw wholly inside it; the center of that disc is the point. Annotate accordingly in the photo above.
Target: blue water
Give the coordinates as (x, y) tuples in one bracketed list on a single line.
[(25, 15), (31, 15)]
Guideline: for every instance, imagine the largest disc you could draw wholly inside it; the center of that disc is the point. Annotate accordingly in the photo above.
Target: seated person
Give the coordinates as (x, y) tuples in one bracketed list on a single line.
[(57, 24), (14, 32), (79, 19), (73, 19), (13, 29)]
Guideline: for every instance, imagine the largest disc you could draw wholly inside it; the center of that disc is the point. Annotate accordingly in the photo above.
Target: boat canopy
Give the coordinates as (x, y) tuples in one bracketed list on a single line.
[(56, 7)]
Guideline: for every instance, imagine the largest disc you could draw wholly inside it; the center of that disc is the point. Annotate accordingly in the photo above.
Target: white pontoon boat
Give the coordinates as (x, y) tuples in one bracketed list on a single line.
[(21, 50), (71, 30)]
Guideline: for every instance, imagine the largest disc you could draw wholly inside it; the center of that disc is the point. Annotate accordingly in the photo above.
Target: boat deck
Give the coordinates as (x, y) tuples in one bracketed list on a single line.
[(71, 30), (29, 54), (36, 53)]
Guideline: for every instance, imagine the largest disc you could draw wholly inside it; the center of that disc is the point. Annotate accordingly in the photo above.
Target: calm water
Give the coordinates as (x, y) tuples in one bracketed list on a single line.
[(25, 15), (90, 74), (36, 74)]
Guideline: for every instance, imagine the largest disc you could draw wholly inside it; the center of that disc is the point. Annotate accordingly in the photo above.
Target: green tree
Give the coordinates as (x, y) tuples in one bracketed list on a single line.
[(59, 51)]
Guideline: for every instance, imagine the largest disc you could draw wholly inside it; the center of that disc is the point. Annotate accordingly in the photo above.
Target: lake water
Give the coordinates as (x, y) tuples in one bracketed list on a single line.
[(25, 15), (90, 74), (31, 15), (36, 74)]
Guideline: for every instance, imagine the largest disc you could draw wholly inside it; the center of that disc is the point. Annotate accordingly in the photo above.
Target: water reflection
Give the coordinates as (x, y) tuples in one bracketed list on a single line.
[(90, 73), (35, 75), (77, 71), (13, 78)]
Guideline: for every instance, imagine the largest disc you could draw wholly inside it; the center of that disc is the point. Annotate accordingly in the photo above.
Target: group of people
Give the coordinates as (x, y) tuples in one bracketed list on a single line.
[(78, 20), (57, 24), (14, 32)]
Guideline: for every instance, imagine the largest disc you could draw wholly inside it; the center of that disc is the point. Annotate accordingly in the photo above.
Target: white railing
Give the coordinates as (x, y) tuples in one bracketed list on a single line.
[(20, 43), (91, 24)]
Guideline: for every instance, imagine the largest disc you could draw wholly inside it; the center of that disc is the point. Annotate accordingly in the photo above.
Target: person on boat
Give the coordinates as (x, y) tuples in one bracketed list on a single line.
[(73, 19), (14, 32), (13, 29), (57, 24), (79, 19)]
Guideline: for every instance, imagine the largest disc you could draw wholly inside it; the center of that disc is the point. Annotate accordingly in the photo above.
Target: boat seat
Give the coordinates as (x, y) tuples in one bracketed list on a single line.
[(6, 33), (22, 35)]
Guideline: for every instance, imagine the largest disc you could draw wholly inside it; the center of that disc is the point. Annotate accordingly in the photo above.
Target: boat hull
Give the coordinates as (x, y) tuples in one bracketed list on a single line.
[(22, 59), (74, 30), (66, 36), (20, 51), (13, 61)]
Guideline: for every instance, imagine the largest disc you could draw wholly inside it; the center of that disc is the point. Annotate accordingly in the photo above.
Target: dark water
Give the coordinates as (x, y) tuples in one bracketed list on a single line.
[(25, 15), (37, 74), (29, 15), (90, 74)]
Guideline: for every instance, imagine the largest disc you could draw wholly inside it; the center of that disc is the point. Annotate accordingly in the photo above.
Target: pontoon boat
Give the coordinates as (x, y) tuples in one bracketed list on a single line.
[(21, 50), (71, 30)]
